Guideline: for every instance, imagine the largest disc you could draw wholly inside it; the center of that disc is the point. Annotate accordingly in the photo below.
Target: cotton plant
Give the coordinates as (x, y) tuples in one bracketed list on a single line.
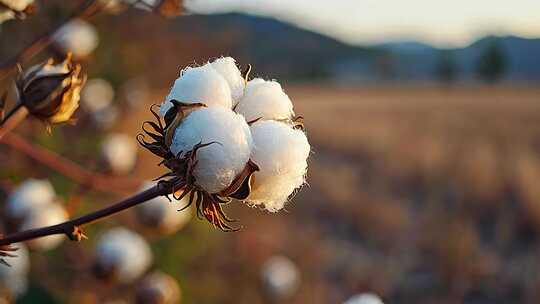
[(121, 255), (224, 137), (34, 204), (119, 153)]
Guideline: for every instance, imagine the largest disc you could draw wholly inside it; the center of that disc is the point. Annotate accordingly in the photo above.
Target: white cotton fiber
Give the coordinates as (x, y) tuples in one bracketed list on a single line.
[(124, 252), (199, 84), (226, 67), (31, 194), (221, 162), (119, 152), (51, 214), (97, 95), (281, 153), (161, 214), (78, 37), (265, 100)]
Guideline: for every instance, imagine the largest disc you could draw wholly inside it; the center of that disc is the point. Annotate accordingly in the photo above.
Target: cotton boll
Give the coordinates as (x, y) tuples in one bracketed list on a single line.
[(281, 153), (158, 288), (364, 298), (122, 254), (97, 95), (119, 152), (51, 214), (31, 194), (136, 92), (218, 163), (200, 84), (78, 37), (280, 277), (106, 118), (7, 13), (13, 279), (161, 214), (265, 100), (226, 66)]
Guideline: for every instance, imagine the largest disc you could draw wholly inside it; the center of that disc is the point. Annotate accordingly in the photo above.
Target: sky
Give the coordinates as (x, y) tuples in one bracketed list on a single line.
[(454, 23)]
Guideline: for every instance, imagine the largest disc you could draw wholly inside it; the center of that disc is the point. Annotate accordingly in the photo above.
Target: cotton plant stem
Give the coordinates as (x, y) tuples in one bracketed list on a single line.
[(86, 9), (71, 227), (12, 120), (68, 168)]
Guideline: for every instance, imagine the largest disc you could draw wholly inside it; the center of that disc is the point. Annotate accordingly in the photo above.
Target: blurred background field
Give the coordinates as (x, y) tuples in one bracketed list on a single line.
[(422, 185)]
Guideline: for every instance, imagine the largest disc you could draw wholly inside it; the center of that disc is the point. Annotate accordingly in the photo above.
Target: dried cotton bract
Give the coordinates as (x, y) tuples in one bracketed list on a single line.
[(119, 153), (205, 140), (122, 255), (78, 37)]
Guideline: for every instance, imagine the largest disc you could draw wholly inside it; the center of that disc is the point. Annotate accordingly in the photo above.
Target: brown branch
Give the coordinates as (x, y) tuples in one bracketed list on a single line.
[(87, 9), (13, 119), (71, 227), (70, 169)]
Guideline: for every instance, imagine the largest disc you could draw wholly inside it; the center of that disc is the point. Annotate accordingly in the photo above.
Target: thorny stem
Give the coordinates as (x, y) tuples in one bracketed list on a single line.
[(13, 119), (70, 169), (71, 228), (86, 9)]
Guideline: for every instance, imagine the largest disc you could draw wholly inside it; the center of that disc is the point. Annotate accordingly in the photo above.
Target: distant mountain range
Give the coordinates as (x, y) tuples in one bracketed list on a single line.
[(286, 51)]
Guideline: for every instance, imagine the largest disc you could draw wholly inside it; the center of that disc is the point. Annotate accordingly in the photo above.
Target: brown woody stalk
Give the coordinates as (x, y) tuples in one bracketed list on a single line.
[(70, 169), (12, 120), (72, 229)]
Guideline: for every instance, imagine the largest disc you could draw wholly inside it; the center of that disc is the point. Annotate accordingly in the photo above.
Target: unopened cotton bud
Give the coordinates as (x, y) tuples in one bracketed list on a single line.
[(265, 100), (29, 195), (219, 163), (48, 215), (11, 9), (14, 279), (281, 153), (119, 152), (97, 95), (78, 37), (364, 298), (200, 85), (226, 67), (162, 215), (122, 254), (280, 277), (158, 288)]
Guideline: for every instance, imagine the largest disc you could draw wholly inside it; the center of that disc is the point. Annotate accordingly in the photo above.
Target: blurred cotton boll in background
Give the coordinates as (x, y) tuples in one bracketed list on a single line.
[(14, 279), (97, 95), (50, 214), (281, 153), (161, 215), (78, 37), (265, 100), (219, 163), (364, 298), (11, 9), (135, 91), (30, 194), (200, 84), (226, 67), (158, 288), (119, 153), (122, 255), (280, 277)]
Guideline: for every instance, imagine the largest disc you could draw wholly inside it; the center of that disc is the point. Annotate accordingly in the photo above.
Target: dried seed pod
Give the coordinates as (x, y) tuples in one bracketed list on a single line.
[(51, 91), (16, 9)]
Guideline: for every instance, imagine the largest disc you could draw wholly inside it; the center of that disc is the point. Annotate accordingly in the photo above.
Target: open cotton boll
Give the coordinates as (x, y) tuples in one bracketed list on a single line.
[(226, 66), (78, 37), (219, 163), (51, 214), (123, 254), (265, 100), (199, 84), (14, 279), (29, 195), (280, 277), (97, 95), (161, 214), (158, 287), (364, 298), (119, 152), (281, 153)]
